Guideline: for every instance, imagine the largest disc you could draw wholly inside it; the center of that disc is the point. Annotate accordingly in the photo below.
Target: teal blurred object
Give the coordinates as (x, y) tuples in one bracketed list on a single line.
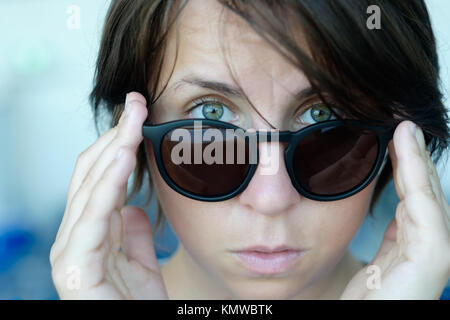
[(25, 271), (15, 242), (446, 294), (32, 58), (24, 266)]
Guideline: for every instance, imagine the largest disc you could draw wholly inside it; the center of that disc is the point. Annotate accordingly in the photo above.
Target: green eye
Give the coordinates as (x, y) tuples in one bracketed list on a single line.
[(320, 112), (212, 111)]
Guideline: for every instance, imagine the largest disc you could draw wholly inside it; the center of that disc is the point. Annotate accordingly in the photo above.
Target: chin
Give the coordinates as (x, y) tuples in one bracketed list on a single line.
[(265, 289)]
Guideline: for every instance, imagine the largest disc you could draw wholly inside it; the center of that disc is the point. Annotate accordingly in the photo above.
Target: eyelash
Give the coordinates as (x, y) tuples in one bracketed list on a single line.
[(202, 100), (335, 110), (198, 102)]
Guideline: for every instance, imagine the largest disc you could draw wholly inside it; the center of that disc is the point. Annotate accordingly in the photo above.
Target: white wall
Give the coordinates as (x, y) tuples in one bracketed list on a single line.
[(439, 12), (46, 72)]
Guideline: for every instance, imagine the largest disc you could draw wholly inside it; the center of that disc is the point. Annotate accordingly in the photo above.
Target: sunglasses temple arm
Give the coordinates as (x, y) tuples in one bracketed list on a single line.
[(384, 162), (150, 132)]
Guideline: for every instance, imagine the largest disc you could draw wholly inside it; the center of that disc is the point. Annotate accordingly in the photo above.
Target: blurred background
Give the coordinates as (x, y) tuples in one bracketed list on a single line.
[(47, 57)]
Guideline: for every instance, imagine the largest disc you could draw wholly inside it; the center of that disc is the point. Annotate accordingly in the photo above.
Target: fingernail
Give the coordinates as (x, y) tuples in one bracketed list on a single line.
[(127, 108), (129, 105), (413, 129), (419, 136), (420, 139)]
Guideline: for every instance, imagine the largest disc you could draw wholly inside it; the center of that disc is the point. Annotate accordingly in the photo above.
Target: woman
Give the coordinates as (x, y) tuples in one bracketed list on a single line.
[(295, 66)]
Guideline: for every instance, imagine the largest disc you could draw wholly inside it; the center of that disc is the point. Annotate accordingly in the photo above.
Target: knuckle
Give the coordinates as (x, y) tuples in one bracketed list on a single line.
[(81, 159), (85, 155), (401, 211), (125, 135), (427, 189)]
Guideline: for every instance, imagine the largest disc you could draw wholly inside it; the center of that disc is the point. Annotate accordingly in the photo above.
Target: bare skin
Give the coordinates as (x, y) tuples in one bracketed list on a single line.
[(177, 275), (111, 243), (96, 207)]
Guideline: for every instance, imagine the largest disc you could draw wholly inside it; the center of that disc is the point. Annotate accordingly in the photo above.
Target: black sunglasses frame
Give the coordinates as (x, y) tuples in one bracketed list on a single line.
[(156, 132)]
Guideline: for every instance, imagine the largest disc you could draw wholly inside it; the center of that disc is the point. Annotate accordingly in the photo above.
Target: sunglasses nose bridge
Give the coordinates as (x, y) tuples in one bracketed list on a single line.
[(274, 136), (270, 139), (269, 190), (299, 146), (281, 137)]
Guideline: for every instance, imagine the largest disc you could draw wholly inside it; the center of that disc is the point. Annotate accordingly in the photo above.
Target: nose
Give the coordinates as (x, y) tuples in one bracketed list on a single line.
[(270, 190)]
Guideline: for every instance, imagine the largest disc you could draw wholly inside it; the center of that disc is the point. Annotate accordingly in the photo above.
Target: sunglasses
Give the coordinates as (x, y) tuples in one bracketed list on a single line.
[(326, 161)]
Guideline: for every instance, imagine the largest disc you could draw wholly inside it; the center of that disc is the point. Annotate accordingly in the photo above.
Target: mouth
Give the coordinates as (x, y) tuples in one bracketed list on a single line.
[(268, 261)]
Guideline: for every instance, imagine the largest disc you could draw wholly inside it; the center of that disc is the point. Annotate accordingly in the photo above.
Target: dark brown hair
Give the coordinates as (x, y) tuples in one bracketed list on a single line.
[(380, 76)]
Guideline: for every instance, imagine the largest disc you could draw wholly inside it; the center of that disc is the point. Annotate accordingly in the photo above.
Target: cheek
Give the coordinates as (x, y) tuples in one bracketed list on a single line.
[(326, 228), (194, 222), (337, 224)]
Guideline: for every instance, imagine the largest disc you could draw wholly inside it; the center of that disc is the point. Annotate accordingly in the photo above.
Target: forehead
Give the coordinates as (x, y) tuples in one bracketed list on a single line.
[(213, 41)]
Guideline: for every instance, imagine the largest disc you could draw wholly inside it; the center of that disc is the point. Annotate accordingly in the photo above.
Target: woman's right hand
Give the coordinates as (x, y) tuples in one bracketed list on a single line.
[(104, 249)]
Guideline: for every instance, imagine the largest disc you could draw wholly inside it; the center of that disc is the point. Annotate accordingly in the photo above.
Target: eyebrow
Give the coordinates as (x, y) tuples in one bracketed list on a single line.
[(233, 91)]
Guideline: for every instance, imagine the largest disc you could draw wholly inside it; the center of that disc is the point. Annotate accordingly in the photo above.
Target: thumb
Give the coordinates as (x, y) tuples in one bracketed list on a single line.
[(137, 240)]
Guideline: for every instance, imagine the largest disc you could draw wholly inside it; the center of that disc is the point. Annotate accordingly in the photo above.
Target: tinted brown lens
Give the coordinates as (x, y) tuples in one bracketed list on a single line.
[(205, 163), (335, 160)]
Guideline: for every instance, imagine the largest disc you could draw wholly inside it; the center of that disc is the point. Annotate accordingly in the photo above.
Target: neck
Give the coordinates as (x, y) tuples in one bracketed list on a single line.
[(185, 279)]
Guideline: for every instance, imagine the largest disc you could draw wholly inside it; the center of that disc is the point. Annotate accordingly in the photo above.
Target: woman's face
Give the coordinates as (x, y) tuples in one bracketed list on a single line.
[(269, 212)]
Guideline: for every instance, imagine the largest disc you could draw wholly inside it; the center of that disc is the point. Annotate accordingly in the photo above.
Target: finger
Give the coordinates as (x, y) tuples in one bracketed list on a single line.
[(357, 287), (434, 178), (82, 167), (395, 173), (137, 242), (433, 175), (129, 135), (90, 232), (90, 155), (84, 162), (413, 177), (87, 158), (436, 183), (421, 225), (139, 258)]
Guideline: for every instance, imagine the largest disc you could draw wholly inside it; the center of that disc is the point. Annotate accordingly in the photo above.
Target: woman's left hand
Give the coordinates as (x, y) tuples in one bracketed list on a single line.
[(413, 261)]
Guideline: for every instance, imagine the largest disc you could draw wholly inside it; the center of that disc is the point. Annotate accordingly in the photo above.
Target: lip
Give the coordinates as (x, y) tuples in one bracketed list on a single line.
[(268, 261)]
